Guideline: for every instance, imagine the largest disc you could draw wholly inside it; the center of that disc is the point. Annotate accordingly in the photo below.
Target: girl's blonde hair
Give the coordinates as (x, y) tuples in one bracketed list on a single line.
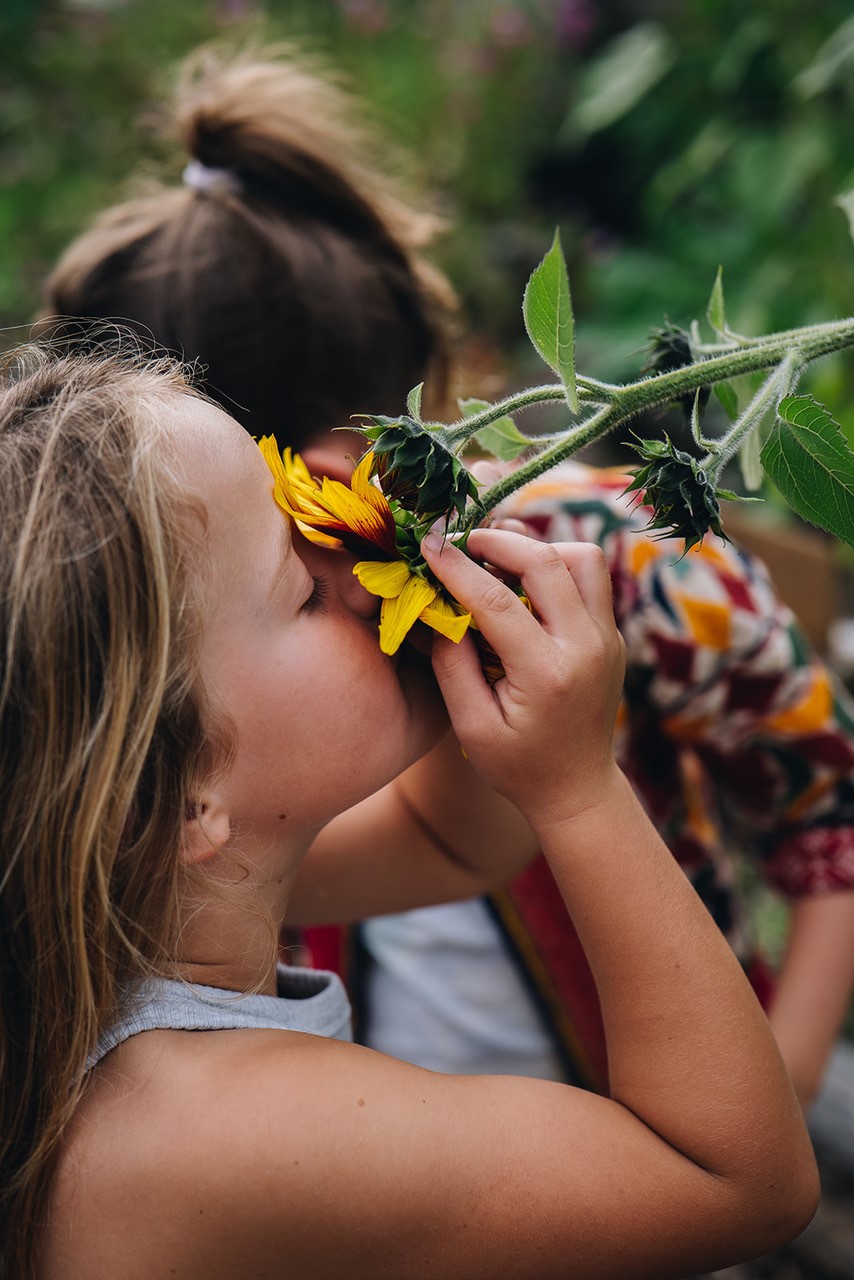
[(101, 734), (302, 266)]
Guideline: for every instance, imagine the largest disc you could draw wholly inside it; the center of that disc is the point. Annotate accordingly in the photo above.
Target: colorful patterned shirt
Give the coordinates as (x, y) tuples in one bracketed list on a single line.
[(732, 732)]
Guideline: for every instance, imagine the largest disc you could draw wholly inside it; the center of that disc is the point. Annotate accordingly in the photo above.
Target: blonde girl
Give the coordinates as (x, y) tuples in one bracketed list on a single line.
[(286, 258), (201, 740)]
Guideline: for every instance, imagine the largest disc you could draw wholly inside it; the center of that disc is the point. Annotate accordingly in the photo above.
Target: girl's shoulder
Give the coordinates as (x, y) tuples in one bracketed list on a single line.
[(176, 1137)]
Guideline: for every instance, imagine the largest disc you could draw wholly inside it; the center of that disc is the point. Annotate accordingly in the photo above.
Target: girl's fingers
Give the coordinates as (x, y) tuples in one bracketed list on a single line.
[(498, 612), (591, 575), (511, 525), (468, 698), (542, 570), (585, 561)]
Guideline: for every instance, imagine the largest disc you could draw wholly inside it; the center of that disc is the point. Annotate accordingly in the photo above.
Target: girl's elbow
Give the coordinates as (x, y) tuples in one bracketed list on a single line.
[(788, 1204)]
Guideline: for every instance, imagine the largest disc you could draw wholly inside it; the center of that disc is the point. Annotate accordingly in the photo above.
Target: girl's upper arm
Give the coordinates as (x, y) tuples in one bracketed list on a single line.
[(369, 1167)]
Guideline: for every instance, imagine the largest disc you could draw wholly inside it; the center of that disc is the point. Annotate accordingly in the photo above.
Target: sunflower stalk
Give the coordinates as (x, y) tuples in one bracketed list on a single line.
[(786, 355), (780, 382), (684, 369), (681, 369), (413, 477)]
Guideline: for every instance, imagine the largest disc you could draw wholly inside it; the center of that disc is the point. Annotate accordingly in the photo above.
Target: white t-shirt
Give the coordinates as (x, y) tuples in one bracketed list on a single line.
[(443, 993)]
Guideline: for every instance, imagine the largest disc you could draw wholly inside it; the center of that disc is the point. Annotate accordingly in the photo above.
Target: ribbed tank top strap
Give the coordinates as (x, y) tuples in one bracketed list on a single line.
[(311, 1000)]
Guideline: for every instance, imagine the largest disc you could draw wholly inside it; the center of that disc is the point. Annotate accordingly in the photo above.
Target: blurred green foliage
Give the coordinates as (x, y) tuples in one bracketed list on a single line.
[(663, 138)]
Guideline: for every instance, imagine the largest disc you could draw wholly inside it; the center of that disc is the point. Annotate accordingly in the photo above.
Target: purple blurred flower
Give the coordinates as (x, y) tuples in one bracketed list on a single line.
[(575, 22)]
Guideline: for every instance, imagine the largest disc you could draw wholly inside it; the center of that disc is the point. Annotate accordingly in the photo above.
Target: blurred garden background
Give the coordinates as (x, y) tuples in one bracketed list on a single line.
[(663, 137)]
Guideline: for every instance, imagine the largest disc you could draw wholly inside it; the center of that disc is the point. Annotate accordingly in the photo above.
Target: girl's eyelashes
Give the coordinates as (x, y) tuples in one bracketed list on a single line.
[(318, 595)]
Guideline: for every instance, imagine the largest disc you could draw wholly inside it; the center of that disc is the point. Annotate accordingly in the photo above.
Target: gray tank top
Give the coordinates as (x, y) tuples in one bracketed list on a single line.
[(310, 1000)]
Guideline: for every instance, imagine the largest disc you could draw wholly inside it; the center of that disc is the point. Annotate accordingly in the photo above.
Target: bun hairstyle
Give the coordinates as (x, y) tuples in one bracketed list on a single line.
[(286, 266), (104, 734)]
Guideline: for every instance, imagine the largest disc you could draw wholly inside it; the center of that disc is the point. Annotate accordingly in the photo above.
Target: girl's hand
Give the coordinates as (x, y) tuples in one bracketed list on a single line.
[(543, 735)]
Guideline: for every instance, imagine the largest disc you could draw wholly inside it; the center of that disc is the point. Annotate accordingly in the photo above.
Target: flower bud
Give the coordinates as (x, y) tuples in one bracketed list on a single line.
[(683, 499), (670, 349), (417, 471)]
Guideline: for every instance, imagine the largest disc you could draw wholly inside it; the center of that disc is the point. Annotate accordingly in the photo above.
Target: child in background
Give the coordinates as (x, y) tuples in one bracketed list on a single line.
[(284, 257), (200, 737)]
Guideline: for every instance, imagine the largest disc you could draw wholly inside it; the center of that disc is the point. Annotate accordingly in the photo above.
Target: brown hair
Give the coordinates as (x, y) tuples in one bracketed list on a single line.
[(304, 270), (101, 735)]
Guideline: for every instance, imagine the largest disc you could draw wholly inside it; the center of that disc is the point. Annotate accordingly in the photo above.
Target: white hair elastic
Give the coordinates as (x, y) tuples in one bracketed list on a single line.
[(210, 181)]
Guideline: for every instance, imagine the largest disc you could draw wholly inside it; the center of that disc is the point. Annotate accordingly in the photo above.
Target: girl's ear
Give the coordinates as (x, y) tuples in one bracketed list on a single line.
[(206, 831)]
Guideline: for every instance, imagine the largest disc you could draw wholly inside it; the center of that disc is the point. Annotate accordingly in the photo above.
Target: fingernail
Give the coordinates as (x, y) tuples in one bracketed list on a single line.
[(432, 542)]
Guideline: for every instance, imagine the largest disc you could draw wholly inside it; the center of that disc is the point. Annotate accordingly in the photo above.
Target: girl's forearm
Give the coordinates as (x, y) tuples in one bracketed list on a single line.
[(689, 1049)]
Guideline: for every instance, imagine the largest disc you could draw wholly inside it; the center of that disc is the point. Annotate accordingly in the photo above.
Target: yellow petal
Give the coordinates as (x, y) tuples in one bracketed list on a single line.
[(361, 482), (330, 505), (370, 519), (319, 539), (446, 617), (385, 578), (272, 457), (398, 615)]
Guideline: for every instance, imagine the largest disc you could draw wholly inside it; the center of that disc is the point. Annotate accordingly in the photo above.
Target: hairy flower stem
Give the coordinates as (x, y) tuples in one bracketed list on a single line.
[(779, 383), (590, 392), (616, 405), (574, 439)]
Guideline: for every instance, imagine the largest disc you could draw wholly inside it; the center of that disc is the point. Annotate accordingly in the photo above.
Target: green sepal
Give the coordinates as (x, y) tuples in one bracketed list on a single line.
[(729, 496), (417, 471), (669, 348)]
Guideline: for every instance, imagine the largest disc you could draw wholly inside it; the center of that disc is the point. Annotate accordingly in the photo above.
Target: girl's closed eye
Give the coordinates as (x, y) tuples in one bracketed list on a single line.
[(318, 595)]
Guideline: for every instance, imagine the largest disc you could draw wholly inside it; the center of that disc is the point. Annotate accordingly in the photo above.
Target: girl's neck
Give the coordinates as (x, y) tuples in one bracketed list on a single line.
[(230, 933)]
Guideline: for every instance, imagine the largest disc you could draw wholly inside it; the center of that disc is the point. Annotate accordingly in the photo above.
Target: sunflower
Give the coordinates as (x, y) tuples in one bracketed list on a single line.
[(359, 517)]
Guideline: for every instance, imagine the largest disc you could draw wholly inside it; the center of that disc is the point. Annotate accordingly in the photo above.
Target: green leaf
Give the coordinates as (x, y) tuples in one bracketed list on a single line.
[(610, 85), (413, 402), (809, 460), (468, 408), (715, 312), (846, 204), (502, 437), (547, 310), (726, 396)]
